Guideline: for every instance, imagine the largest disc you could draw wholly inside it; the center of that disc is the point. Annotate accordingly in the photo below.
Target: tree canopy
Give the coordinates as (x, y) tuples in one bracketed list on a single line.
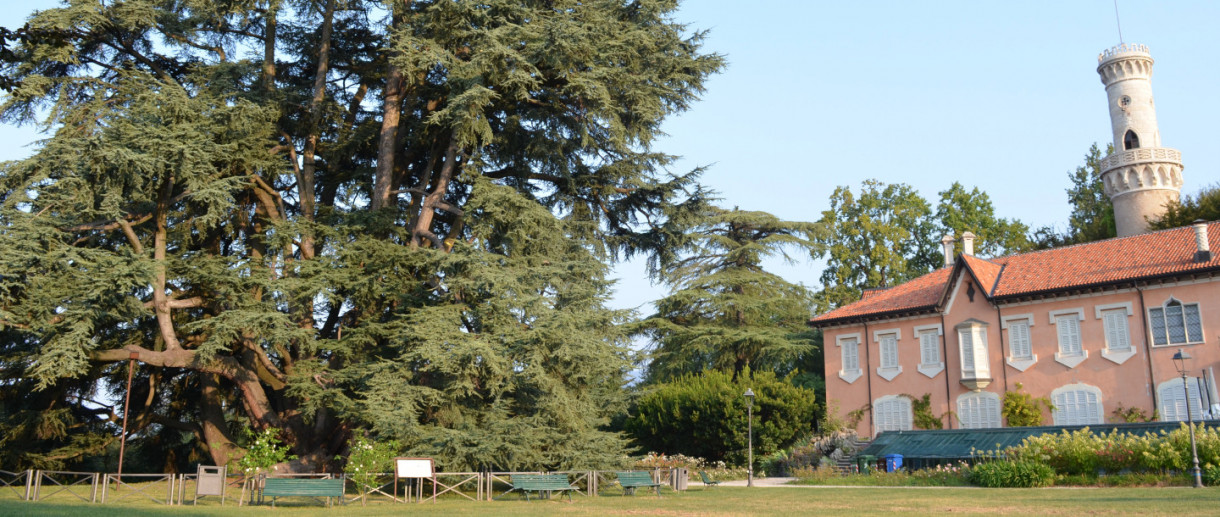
[(321, 215), (882, 236), (1092, 216), (725, 311)]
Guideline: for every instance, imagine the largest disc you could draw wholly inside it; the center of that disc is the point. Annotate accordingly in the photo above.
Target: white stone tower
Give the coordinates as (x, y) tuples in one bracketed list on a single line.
[(1140, 176)]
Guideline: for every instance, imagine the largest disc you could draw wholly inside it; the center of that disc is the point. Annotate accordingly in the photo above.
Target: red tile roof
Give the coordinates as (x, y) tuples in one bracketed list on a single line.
[(1113, 261)]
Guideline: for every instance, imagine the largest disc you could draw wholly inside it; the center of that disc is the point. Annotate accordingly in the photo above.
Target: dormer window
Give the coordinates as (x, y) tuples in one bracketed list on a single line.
[(1130, 141)]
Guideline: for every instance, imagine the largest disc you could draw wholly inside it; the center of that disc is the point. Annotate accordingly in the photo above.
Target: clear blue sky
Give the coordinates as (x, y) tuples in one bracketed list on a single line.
[(999, 95)]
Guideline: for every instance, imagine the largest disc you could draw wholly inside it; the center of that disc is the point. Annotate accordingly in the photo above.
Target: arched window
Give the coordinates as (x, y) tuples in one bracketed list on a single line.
[(1173, 400), (979, 410), (892, 413), (1130, 141), (1175, 323), (1077, 404)]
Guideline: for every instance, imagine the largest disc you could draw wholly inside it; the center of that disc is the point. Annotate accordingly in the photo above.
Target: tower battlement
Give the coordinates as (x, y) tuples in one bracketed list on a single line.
[(1120, 50)]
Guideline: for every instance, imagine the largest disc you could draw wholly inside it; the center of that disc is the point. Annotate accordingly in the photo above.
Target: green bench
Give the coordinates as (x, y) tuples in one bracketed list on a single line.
[(303, 487), (543, 484), (707, 481), (636, 479)]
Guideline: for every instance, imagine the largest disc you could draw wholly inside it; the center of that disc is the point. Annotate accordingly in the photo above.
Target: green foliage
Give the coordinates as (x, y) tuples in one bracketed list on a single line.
[(879, 237), (280, 253), (1211, 475), (264, 451), (1012, 474), (960, 211), (704, 415), (1204, 205), (1132, 415), (1084, 453), (1092, 217), (921, 410), (939, 476), (725, 311), (366, 458), (810, 453), (885, 235), (1021, 409)]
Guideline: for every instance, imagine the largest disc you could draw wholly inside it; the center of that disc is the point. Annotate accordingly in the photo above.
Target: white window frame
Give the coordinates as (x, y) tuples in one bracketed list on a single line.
[(1069, 359), (849, 375), (1164, 307), (888, 372), (903, 413), (982, 402), (930, 369), (1173, 407), (1021, 363), (1059, 411), (1110, 352)]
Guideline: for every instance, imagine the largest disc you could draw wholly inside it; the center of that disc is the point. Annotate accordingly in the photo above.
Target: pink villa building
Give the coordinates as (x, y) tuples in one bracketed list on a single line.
[(1093, 327)]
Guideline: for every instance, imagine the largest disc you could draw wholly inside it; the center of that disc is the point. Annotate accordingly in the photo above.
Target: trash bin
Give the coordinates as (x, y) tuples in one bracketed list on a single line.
[(865, 462), (678, 478), (893, 462)]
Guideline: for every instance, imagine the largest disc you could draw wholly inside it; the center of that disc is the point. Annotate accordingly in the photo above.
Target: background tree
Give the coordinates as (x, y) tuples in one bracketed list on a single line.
[(327, 215), (1204, 205), (880, 237), (725, 311), (704, 415), (1092, 217), (960, 211)]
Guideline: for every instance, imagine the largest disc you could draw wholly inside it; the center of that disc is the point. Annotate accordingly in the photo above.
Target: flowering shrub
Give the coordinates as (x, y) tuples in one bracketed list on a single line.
[(654, 460), (366, 459), (264, 452), (1084, 453)]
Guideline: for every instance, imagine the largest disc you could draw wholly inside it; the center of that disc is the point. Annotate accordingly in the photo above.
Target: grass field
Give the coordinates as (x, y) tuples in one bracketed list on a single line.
[(719, 501)]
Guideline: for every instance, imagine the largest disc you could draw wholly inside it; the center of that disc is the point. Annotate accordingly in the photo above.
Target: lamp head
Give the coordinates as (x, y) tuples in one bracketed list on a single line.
[(1179, 360), (749, 395)]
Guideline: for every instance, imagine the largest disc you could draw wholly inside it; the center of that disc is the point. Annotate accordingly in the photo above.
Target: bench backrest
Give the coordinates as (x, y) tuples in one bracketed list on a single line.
[(303, 486), (706, 480), (541, 482), (635, 478)]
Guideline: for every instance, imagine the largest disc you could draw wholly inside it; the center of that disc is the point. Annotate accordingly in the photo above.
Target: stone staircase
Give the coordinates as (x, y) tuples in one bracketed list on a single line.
[(847, 464)]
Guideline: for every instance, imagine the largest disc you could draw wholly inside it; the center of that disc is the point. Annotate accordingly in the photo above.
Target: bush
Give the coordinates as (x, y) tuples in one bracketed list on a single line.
[(705, 416), (1012, 474), (1211, 475)]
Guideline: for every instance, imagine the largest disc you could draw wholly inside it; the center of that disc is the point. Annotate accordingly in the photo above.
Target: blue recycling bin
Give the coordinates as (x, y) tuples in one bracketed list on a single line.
[(893, 462)]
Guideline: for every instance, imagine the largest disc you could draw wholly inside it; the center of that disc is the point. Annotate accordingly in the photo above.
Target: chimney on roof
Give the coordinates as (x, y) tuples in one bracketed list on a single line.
[(1203, 252), (946, 244), (968, 243)]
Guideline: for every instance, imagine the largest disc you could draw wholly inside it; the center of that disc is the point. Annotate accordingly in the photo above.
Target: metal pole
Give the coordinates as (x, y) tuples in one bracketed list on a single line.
[(1194, 451), (750, 439), (131, 370)]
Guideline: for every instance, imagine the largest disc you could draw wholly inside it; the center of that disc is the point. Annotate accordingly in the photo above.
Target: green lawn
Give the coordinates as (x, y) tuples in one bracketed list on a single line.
[(721, 501)]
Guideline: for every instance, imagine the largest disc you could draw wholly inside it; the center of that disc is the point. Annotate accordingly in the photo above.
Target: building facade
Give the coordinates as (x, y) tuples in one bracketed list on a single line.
[(1093, 327)]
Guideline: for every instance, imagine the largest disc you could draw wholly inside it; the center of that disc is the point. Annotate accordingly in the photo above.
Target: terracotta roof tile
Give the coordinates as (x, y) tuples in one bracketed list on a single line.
[(986, 271), (922, 292), (1149, 255)]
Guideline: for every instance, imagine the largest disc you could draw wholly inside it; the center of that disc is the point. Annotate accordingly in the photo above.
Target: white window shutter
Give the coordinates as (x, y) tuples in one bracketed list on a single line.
[(889, 351), (1117, 336), (1018, 331), (928, 351), (967, 346)]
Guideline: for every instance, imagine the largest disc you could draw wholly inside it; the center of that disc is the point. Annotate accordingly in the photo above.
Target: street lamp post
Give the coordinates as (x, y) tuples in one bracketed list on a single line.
[(749, 395), (1179, 360)]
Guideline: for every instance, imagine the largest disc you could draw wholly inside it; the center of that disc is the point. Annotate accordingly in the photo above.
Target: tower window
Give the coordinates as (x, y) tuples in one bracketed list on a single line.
[(1130, 141)]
